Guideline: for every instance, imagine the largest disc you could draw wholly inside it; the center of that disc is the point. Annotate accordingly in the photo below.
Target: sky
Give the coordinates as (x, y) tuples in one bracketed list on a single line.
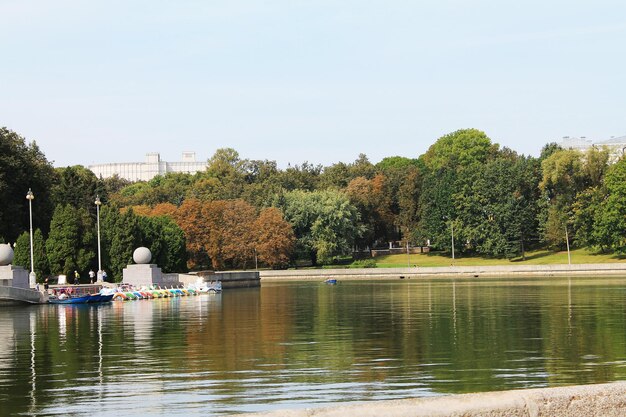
[(317, 81)]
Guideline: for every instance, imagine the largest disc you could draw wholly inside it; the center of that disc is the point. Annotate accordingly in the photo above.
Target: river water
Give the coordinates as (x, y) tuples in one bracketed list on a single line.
[(307, 344)]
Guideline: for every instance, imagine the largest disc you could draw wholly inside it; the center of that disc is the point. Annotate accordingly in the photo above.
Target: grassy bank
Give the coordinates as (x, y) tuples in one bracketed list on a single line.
[(539, 257)]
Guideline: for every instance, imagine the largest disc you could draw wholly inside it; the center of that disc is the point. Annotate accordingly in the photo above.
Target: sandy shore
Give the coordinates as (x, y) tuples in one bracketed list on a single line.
[(575, 401)]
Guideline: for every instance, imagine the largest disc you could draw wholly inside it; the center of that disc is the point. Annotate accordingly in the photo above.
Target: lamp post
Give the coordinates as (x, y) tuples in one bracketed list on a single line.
[(32, 277), (452, 233), (569, 257), (98, 203)]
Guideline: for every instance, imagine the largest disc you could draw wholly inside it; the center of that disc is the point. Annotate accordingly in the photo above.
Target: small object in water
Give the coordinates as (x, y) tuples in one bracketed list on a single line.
[(331, 281)]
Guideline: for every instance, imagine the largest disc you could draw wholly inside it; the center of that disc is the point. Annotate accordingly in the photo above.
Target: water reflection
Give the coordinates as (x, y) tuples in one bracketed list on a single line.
[(305, 344)]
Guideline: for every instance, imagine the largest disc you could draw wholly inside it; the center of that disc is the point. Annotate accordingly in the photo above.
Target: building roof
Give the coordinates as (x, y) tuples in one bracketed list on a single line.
[(621, 140), (575, 143)]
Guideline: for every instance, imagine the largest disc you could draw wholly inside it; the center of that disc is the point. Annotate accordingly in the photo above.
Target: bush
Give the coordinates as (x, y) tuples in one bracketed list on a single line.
[(363, 263)]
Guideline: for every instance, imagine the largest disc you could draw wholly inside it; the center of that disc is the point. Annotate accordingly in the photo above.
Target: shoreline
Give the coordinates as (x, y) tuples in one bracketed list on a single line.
[(496, 271), (607, 399)]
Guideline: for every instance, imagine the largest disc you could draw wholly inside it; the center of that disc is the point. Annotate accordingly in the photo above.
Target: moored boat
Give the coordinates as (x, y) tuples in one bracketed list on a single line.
[(84, 299)]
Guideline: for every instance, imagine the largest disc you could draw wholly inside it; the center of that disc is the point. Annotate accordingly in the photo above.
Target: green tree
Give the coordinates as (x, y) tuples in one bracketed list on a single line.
[(166, 241), (77, 186), (567, 180), (325, 223), (23, 166), (610, 217), (22, 253), (497, 206), (458, 149), (121, 236), (70, 245)]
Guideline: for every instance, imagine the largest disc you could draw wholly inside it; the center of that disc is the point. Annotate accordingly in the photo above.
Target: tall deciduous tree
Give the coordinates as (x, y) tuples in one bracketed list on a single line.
[(610, 217), (189, 217), (23, 166), (274, 240), (325, 223), (373, 203)]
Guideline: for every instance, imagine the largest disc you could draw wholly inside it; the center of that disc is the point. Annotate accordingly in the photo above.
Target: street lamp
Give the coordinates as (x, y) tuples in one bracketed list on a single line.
[(256, 262), (32, 277), (98, 203), (452, 232), (569, 257)]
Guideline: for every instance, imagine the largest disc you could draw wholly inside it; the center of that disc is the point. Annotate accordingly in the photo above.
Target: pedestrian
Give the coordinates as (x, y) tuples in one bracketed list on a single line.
[(92, 275), (76, 278), (104, 275), (46, 284)]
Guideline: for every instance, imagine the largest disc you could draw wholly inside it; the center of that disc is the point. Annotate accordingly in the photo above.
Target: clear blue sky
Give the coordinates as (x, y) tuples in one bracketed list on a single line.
[(319, 81)]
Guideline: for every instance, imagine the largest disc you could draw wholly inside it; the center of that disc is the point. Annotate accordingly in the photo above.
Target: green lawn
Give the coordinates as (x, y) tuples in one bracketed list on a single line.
[(539, 257)]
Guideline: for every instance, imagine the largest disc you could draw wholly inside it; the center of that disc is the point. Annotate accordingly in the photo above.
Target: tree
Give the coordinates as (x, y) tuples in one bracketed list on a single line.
[(300, 177), (373, 203), (70, 245), (121, 236), (22, 253), (274, 240), (77, 186), (610, 218), (23, 166), (567, 179), (228, 169), (166, 241), (189, 217), (458, 149), (437, 208), (497, 206), (325, 223)]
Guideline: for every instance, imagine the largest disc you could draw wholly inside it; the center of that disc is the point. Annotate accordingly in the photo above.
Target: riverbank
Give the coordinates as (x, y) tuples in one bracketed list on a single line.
[(615, 269), (580, 400)]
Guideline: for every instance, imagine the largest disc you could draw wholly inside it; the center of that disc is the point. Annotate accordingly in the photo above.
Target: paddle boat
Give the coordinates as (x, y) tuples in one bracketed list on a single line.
[(330, 281)]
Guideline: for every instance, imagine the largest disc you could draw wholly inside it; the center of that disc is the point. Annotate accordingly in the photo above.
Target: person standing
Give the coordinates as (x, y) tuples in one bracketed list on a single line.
[(92, 275), (104, 275), (76, 278), (46, 284)]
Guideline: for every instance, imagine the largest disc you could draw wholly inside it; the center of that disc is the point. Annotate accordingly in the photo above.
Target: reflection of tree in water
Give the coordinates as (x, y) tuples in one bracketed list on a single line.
[(352, 341)]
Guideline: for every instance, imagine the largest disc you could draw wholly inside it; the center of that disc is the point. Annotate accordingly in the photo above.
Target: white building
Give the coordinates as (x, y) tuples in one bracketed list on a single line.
[(615, 145), (145, 171)]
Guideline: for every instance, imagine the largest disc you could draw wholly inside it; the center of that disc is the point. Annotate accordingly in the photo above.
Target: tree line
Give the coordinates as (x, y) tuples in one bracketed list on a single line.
[(241, 212)]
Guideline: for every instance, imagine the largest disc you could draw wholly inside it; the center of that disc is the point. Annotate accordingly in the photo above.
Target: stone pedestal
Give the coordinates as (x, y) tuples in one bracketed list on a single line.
[(14, 276), (142, 274)]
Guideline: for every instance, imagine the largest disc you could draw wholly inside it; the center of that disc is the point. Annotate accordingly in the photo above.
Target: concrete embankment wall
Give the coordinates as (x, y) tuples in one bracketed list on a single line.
[(233, 279), (581, 400), (12, 295), (451, 272)]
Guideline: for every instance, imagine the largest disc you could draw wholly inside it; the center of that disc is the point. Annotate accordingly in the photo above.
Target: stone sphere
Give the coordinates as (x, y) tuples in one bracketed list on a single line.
[(6, 254), (142, 255)]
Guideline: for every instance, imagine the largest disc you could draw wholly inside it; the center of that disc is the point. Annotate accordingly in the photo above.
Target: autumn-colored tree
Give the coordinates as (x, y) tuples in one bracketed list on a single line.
[(373, 203), (164, 209), (275, 239), (229, 241), (189, 217), (140, 210)]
